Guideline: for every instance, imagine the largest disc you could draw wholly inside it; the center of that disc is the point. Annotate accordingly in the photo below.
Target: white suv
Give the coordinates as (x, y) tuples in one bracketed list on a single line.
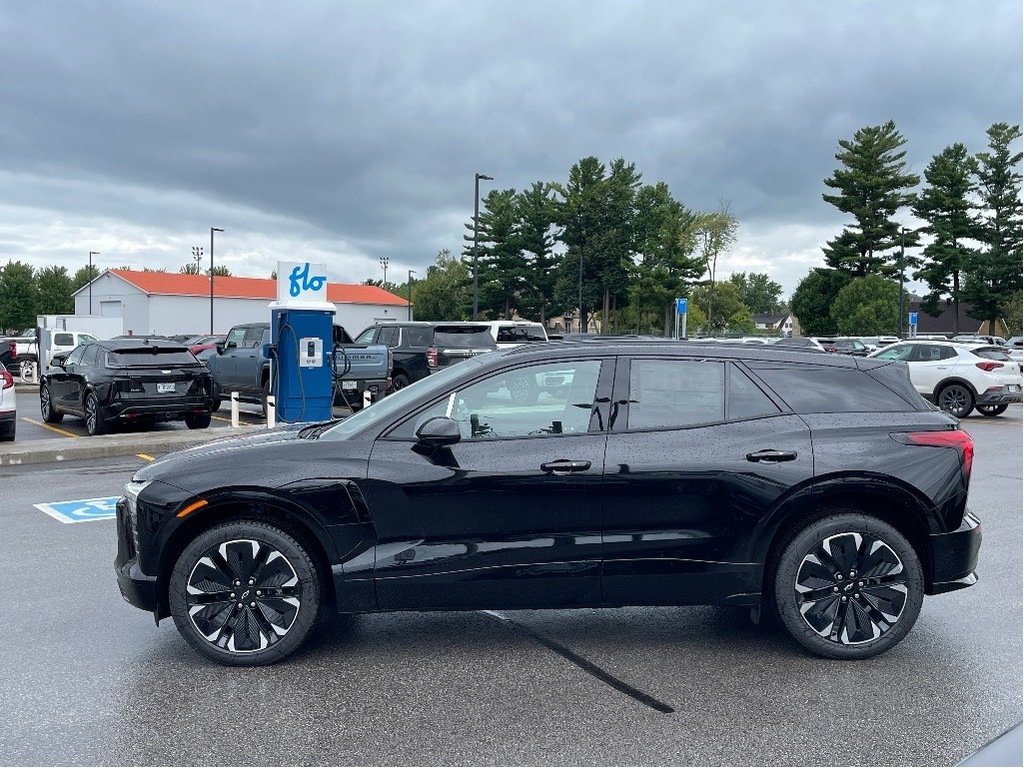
[(512, 333), (959, 377), (8, 405)]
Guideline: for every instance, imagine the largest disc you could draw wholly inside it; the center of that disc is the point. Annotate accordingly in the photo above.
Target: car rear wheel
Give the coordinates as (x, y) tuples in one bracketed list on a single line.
[(46, 409), (198, 421), (245, 593), (957, 400), (991, 410), (400, 381), (94, 423), (848, 586)]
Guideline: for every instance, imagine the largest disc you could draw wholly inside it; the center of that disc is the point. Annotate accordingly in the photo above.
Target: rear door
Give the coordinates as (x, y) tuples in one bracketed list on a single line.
[(930, 364), (509, 517), (697, 455)]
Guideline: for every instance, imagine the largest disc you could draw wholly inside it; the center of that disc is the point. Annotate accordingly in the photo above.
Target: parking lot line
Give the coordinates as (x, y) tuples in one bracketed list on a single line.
[(51, 428), (146, 457)]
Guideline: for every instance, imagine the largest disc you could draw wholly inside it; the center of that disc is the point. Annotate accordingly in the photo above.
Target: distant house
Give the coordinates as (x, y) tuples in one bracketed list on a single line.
[(782, 324), (946, 322), (170, 303)]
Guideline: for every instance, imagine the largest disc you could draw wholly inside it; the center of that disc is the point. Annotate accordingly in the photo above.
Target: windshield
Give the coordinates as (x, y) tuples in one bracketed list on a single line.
[(383, 411)]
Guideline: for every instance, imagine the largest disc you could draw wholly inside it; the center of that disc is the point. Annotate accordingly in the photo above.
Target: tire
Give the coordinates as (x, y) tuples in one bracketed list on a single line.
[(264, 394), (94, 423), (215, 404), (956, 399), (839, 616), (399, 381), (245, 555), (991, 410), (9, 435), (49, 413), (198, 421), (523, 390)]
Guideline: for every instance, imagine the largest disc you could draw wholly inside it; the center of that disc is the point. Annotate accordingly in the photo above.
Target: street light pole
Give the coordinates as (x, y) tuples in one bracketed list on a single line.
[(476, 238), (212, 230), (197, 254), (384, 264), (411, 273), (903, 233), (91, 254)]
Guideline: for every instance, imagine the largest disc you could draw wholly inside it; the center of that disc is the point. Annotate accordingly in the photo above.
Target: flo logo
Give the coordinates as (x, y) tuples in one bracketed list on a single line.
[(299, 280)]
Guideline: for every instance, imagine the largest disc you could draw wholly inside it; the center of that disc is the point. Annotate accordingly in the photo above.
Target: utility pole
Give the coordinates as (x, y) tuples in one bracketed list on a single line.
[(903, 238), (411, 273), (476, 237), (384, 264), (212, 230), (91, 254)]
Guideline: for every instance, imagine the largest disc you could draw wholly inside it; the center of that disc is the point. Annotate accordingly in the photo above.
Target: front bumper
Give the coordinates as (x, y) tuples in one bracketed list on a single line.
[(1011, 393), (136, 587), (955, 556)]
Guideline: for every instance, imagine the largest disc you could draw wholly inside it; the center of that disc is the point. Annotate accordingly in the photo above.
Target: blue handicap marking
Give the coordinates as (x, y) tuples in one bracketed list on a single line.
[(81, 510)]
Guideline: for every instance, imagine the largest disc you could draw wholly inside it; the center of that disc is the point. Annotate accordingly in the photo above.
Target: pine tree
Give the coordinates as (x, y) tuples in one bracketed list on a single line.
[(872, 185)]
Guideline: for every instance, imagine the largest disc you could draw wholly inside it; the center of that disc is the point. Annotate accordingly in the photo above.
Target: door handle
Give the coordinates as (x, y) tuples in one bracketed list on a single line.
[(563, 466), (771, 456)]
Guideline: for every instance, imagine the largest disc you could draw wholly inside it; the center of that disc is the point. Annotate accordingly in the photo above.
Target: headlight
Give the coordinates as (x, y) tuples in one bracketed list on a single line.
[(131, 494)]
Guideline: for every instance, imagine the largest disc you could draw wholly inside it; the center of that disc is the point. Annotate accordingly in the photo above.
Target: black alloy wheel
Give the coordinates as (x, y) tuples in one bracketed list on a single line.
[(848, 586), (991, 410), (245, 593), (957, 400), (400, 381), (46, 409), (94, 423)]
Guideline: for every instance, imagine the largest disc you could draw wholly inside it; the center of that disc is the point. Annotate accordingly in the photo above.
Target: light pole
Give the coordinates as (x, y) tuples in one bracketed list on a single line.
[(411, 273), (212, 230), (384, 264), (476, 237), (903, 238), (582, 330), (197, 254), (91, 254)]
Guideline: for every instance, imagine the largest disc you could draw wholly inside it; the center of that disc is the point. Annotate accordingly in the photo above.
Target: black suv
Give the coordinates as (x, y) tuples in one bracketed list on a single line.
[(127, 381), (420, 348), (821, 488)]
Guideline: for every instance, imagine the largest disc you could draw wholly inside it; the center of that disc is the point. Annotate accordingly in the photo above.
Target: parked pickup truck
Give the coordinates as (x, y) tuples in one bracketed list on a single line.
[(240, 366), (25, 348)]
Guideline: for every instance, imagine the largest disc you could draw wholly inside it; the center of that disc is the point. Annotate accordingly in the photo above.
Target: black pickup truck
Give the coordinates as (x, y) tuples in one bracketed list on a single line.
[(240, 366), (419, 348)]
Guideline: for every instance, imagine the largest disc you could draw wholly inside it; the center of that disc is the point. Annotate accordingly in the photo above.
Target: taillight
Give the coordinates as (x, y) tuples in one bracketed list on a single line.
[(955, 438), (432, 357), (6, 376), (988, 365)]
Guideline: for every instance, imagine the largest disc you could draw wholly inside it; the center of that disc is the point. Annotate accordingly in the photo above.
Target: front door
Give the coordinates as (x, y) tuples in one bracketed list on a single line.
[(509, 516)]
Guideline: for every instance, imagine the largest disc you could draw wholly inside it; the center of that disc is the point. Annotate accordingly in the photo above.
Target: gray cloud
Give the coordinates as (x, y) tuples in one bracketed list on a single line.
[(360, 128)]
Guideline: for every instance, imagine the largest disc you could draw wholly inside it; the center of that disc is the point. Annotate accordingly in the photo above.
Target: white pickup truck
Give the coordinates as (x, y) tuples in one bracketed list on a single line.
[(16, 350)]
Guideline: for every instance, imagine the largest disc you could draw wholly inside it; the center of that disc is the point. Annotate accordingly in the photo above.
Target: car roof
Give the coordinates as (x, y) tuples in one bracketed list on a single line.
[(163, 344)]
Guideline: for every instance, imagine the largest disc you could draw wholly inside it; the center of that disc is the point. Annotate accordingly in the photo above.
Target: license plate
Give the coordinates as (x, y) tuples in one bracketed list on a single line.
[(348, 385), (165, 386), (1014, 387)]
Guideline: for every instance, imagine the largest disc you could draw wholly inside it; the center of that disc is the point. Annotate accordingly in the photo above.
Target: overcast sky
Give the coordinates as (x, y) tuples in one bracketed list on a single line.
[(343, 132)]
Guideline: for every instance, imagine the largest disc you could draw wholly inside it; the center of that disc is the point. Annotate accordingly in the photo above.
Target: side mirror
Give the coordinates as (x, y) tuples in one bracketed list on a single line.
[(59, 359), (438, 431), (220, 347)]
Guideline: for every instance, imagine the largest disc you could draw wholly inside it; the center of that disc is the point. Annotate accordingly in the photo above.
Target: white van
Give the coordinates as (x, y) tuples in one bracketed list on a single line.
[(512, 333)]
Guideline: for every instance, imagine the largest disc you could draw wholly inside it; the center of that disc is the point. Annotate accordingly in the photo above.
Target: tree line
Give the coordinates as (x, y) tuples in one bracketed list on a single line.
[(26, 291), (969, 238)]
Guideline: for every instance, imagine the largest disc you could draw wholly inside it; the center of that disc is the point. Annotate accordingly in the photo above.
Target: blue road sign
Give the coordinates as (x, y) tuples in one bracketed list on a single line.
[(681, 306), (913, 318), (81, 510)]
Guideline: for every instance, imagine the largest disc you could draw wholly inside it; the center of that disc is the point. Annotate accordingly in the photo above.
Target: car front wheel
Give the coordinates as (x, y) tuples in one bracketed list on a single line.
[(848, 586), (245, 593), (957, 400), (991, 410), (46, 409)]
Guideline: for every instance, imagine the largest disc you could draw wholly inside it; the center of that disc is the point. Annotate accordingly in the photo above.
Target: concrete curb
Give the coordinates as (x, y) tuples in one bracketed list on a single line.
[(68, 449)]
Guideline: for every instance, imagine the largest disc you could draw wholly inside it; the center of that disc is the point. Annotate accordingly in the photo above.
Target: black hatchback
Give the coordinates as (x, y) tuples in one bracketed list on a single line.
[(820, 488), (127, 381)]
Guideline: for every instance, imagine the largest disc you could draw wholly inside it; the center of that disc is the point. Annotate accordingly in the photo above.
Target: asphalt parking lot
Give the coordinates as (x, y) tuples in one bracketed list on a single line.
[(88, 679)]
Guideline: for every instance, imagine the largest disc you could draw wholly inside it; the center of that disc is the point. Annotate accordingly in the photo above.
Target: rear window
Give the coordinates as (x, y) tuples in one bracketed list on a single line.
[(990, 353), (520, 333), (145, 355), (473, 336), (63, 339), (821, 389)]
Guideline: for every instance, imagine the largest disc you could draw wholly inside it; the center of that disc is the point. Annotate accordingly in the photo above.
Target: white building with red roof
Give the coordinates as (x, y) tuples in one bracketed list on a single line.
[(168, 303)]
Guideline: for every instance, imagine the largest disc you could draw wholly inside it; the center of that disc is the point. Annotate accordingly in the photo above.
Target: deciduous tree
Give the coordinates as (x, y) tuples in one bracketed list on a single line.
[(866, 306), (813, 297)]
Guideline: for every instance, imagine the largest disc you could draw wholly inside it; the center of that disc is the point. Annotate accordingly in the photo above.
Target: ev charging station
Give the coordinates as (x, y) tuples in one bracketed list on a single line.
[(301, 332)]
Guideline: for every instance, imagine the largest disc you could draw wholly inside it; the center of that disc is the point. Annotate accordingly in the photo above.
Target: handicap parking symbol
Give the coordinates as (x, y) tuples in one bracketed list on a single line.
[(81, 510)]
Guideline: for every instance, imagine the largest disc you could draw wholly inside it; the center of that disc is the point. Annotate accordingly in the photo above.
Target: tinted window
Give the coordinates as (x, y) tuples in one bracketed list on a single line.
[(63, 339), (928, 353), (366, 337), (476, 338), (487, 409), (417, 337), (820, 389), (745, 399), (991, 353), (675, 393), (145, 355), (84, 337), (236, 336), (520, 333), (253, 336), (76, 355), (89, 357), (388, 336)]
